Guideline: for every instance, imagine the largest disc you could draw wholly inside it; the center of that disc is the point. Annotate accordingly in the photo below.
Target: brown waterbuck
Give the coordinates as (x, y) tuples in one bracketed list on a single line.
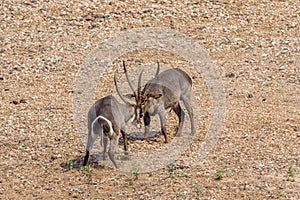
[(107, 116), (164, 91)]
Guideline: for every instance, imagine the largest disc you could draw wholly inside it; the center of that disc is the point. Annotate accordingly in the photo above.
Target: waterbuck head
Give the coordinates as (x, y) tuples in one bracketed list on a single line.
[(139, 98)]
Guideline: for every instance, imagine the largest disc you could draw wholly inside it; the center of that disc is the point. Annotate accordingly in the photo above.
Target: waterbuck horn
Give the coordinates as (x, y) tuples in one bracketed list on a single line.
[(158, 68), (127, 78), (118, 91), (139, 84)]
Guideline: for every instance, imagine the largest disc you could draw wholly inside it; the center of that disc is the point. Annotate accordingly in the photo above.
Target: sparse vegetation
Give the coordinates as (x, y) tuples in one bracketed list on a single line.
[(135, 171), (291, 173), (68, 134), (87, 171), (197, 188), (129, 181), (219, 173), (172, 169), (70, 164)]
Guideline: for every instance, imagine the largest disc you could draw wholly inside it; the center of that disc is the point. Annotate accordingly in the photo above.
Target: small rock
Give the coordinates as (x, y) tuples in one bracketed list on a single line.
[(230, 75), (104, 16), (22, 101), (2, 50), (53, 158), (249, 96), (1, 78), (49, 187), (146, 11), (88, 18), (43, 10), (15, 102), (244, 137)]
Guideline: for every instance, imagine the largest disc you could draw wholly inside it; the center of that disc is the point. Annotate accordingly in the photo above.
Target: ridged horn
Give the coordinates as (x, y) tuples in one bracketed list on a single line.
[(127, 78), (118, 91), (158, 68)]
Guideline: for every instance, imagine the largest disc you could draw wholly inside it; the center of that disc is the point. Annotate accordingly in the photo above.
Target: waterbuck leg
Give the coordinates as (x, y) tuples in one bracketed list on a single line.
[(105, 141), (113, 148), (162, 117), (91, 139), (191, 114), (86, 158), (147, 125), (177, 109), (124, 135)]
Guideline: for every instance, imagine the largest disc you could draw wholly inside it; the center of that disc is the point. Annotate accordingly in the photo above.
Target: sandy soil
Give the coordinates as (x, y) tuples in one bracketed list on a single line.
[(255, 46)]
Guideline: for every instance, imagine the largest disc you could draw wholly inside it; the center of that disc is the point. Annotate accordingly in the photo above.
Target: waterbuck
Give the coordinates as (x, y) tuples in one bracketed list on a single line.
[(107, 116), (165, 91)]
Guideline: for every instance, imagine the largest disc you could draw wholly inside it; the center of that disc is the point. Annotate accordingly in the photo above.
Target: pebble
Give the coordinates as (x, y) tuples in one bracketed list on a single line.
[(230, 75), (88, 18)]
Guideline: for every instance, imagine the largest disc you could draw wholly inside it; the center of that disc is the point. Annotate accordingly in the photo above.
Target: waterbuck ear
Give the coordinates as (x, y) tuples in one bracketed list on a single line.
[(154, 95), (129, 96)]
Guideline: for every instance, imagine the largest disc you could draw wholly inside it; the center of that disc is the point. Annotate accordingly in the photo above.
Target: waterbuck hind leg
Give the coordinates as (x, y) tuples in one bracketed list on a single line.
[(92, 136), (164, 132), (105, 142), (189, 108), (113, 149), (179, 112), (162, 117), (147, 120)]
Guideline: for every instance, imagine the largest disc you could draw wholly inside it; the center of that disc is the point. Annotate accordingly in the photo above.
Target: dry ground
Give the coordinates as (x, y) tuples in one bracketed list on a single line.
[(256, 47)]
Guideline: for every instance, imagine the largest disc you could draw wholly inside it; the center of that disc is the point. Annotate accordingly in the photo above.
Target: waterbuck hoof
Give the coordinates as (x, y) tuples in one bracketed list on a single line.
[(86, 158), (85, 162)]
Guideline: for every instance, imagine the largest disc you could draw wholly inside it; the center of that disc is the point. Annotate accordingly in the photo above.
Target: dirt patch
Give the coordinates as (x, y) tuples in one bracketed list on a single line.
[(255, 46)]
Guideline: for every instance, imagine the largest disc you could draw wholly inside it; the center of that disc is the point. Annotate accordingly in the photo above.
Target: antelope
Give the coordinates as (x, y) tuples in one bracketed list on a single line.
[(164, 91), (107, 116)]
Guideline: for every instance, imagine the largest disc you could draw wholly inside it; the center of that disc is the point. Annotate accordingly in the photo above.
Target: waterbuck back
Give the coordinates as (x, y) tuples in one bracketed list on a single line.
[(172, 84)]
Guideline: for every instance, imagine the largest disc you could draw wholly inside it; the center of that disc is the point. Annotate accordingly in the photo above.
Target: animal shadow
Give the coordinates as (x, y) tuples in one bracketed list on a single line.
[(77, 163)]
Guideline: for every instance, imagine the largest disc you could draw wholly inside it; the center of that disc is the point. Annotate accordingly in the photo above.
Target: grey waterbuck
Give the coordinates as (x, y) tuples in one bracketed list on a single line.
[(107, 116), (165, 91)]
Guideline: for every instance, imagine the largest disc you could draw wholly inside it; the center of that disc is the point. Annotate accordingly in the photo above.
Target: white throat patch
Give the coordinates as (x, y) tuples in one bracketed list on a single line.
[(132, 118)]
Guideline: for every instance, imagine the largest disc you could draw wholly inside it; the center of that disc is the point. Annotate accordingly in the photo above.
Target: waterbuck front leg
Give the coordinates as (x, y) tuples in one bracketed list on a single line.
[(124, 135), (147, 125), (177, 109)]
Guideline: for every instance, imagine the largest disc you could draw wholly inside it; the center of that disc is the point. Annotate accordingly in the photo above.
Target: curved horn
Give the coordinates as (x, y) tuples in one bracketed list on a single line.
[(158, 68), (127, 78), (139, 83), (123, 99)]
